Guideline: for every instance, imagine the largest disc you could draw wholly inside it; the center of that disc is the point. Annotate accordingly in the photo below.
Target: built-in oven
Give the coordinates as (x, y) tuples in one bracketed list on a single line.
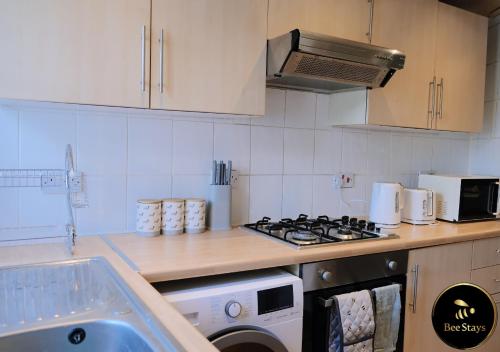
[(325, 279)]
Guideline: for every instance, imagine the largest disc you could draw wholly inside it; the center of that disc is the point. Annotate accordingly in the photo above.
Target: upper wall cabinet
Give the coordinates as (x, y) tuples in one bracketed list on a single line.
[(209, 55), (408, 26), (348, 19), (88, 52), (460, 69), (442, 84), (206, 55)]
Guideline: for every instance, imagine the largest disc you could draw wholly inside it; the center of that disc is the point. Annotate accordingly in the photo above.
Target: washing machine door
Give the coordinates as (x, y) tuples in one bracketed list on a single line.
[(248, 340)]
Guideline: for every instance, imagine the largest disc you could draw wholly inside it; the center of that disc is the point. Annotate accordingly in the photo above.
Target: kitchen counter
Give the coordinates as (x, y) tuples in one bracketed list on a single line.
[(183, 332), (166, 258)]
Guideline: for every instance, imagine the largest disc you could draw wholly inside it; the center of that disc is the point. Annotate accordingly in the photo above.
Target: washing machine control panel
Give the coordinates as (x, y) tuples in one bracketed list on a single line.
[(264, 301)]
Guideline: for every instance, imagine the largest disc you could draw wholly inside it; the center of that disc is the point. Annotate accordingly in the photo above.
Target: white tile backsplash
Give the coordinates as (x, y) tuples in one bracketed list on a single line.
[(102, 143), (106, 212), (266, 150), (275, 109), (299, 151), (266, 194), (378, 160), (354, 149), (9, 138), (297, 195), (193, 144), (327, 151), (149, 146), (43, 136), (326, 199), (127, 154), (232, 142), (300, 110)]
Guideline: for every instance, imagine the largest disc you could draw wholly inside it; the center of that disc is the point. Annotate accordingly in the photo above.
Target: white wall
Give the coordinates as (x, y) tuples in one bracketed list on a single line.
[(485, 146), (286, 159)]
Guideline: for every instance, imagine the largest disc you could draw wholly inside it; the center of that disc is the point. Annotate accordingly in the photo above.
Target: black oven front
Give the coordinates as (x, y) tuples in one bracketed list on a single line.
[(324, 279)]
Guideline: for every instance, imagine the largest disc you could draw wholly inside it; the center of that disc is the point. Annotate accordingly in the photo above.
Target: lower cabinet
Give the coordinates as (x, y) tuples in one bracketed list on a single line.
[(430, 271), (433, 269)]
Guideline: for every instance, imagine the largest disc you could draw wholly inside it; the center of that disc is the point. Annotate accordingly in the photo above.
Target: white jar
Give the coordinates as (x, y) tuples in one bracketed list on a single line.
[(194, 215), (172, 220), (148, 220)]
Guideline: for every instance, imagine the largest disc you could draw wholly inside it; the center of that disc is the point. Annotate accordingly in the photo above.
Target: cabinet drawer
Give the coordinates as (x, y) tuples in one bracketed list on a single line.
[(488, 278), (486, 253)]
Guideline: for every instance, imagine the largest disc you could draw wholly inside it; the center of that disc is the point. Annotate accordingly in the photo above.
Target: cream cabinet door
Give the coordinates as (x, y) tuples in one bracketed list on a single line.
[(408, 26), (348, 19), (209, 55), (74, 51), (460, 69), (438, 268)]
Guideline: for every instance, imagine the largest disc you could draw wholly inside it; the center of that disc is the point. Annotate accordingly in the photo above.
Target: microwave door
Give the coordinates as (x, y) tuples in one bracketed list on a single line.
[(478, 199)]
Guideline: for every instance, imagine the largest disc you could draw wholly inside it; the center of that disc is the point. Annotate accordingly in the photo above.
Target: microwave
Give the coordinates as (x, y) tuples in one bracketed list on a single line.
[(464, 198)]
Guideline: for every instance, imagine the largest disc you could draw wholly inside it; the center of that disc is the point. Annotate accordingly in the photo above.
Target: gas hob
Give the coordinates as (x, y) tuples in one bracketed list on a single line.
[(308, 232)]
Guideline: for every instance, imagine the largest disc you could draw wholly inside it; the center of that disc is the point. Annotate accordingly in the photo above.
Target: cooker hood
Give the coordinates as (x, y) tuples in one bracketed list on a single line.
[(314, 62)]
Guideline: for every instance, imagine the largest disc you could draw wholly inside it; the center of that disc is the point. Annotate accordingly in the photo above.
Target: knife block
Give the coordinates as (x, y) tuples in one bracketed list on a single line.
[(219, 207)]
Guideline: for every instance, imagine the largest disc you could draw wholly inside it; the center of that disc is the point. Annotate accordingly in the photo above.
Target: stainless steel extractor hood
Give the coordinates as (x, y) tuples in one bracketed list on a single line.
[(320, 63)]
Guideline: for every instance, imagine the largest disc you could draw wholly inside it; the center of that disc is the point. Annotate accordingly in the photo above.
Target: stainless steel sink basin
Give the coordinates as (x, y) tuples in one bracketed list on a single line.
[(76, 305), (92, 337)]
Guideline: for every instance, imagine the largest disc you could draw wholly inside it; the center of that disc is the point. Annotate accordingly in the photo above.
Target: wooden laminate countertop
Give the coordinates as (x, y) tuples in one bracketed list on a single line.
[(184, 334), (166, 258)]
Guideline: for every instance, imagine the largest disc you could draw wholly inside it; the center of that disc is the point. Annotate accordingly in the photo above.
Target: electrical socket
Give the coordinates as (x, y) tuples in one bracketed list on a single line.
[(343, 180), (235, 177)]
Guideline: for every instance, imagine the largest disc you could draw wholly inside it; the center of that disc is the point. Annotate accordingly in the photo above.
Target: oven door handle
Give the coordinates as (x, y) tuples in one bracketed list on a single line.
[(327, 303)]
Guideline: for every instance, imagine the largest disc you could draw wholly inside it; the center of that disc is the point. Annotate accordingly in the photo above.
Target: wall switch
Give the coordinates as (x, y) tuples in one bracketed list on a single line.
[(235, 177), (343, 180)]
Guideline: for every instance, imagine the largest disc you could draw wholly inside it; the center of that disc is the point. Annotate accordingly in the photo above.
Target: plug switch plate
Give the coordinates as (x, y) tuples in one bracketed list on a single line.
[(343, 180)]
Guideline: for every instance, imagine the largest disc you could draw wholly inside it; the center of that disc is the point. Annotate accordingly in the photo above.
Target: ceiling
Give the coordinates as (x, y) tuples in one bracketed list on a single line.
[(488, 8)]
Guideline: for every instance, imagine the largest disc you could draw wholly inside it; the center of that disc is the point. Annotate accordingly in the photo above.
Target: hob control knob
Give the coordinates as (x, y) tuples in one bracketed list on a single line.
[(392, 265), (326, 276), (233, 309)]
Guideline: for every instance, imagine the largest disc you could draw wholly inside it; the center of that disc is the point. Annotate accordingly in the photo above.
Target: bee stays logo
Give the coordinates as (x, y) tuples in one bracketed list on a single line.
[(464, 316)]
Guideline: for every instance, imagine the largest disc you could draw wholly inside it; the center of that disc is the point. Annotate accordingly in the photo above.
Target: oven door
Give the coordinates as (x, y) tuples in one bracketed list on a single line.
[(478, 199), (316, 328), (247, 339)]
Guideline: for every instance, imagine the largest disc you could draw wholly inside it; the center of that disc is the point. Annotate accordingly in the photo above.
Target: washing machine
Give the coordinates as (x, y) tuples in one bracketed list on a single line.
[(245, 312)]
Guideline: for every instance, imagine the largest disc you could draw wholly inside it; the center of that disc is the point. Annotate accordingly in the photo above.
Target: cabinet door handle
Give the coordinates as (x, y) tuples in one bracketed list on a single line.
[(431, 102), (440, 86), (413, 304), (370, 23), (161, 61), (143, 59)]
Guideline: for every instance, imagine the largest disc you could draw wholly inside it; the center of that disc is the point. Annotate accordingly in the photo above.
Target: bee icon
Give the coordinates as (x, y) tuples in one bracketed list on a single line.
[(464, 310)]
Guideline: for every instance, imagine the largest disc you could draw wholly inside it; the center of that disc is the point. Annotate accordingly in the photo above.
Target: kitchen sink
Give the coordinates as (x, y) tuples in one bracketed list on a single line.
[(75, 305), (103, 335)]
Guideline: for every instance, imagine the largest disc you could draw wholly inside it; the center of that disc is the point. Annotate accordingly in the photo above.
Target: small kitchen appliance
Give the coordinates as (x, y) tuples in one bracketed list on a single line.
[(309, 232), (464, 198), (386, 204), (419, 207), (251, 311)]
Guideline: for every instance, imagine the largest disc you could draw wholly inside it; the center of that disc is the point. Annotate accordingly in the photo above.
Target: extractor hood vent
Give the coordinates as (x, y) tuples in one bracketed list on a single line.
[(308, 61)]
